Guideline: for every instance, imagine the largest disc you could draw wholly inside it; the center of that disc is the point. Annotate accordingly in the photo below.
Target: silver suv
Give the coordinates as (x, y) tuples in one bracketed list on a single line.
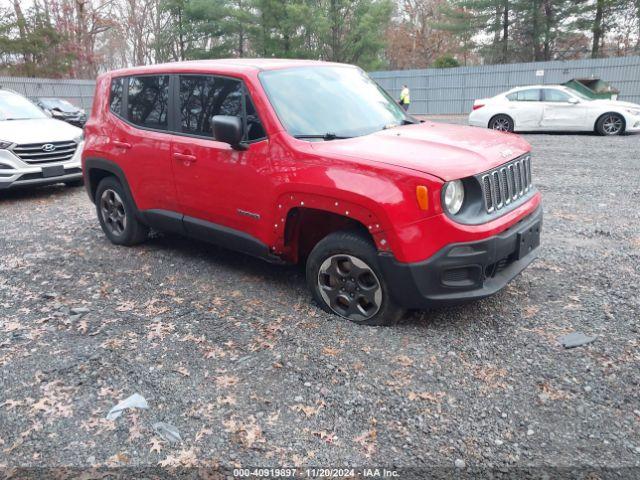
[(36, 149)]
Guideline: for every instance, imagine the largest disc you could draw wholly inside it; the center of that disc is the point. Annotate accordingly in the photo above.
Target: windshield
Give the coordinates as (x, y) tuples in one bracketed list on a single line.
[(16, 107), (58, 104), (330, 102)]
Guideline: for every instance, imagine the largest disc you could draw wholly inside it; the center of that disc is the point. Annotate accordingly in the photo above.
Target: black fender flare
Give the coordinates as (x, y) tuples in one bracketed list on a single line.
[(93, 164)]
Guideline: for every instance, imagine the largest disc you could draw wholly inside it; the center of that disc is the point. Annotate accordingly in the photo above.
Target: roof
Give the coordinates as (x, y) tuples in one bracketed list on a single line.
[(537, 86), (244, 65)]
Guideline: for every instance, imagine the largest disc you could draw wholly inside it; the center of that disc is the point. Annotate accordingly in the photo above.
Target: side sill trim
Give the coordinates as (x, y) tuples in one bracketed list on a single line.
[(229, 238)]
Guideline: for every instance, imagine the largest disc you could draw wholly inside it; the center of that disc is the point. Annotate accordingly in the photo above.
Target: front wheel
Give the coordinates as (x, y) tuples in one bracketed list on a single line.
[(345, 279), (501, 123), (610, 124)]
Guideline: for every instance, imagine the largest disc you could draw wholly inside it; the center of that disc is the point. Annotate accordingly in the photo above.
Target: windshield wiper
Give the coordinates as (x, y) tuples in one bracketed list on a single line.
[(326, 136), (402, 124)]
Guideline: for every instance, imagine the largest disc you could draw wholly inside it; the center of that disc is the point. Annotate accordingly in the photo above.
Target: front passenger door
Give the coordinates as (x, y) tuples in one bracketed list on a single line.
[(559, 112), (217, 185)]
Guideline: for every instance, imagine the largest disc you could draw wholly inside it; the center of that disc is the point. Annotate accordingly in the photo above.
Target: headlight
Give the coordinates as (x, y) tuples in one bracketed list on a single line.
[(79, 138), (453, 196), (4, 144), (56, 113), (634, 111)]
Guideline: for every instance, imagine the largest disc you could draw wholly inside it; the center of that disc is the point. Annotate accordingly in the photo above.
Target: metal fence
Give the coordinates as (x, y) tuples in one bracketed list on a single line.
[(78, 92), (453, 90), (433, 91)]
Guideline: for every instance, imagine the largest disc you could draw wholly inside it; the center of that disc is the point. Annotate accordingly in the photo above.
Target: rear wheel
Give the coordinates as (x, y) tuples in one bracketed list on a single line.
[(117, 214), (610, 124), (344, 276), (501, 123)]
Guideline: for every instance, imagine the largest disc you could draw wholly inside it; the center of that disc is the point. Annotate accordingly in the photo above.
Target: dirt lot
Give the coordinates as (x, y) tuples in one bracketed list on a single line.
[(232, 352)]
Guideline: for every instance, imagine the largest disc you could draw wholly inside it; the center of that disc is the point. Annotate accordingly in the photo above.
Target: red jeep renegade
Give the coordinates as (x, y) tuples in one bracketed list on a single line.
[(301, 160)]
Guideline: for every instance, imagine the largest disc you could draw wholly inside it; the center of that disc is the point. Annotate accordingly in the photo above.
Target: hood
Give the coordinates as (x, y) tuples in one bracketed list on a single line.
[(40, 130), (444, 150), (615, 103)]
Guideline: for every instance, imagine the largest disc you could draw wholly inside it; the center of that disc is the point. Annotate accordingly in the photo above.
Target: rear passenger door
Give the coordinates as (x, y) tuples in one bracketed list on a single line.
[(217, 185), (139, 140), (525, 108)]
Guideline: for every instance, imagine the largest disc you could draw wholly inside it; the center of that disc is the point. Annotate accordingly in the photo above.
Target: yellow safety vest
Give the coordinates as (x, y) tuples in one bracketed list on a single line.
[(404, 96)]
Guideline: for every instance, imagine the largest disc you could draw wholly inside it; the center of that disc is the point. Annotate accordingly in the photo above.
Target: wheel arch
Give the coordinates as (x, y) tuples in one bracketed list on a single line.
[(95, 169), (304, 219), (510, 117)]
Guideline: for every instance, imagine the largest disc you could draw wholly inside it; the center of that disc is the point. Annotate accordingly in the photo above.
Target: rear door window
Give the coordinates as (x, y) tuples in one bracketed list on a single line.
[(529, 95), (148, 101)]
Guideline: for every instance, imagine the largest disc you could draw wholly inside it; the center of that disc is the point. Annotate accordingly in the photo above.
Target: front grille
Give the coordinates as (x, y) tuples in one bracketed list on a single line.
[(506, 183), (36, 153)]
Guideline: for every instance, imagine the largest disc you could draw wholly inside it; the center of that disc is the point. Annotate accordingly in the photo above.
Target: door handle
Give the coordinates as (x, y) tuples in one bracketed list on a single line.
[(184, 157), (119, 144)]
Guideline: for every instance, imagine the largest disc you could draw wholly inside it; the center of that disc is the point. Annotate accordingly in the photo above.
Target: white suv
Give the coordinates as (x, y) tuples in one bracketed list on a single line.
[(36, 149)]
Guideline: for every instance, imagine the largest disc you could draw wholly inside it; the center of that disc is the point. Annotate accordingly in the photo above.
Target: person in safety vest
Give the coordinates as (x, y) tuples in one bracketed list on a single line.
[(405, 100)]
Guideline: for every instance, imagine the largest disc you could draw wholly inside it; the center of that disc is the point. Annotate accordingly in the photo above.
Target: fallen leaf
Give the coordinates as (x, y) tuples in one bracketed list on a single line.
[(83, 326), (308, 410), (156, 445), (116, 459), (404, 360), (225, 381), (182, 371), (202, 432), (331, 351), (184, 458), (433, 397), (247, 433)]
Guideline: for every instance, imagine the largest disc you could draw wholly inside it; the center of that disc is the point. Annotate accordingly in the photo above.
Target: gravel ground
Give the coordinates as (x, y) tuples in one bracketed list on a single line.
[(233, 353)]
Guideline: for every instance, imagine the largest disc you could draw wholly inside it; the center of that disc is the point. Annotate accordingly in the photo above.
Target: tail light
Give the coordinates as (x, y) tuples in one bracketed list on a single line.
[(476, 106)]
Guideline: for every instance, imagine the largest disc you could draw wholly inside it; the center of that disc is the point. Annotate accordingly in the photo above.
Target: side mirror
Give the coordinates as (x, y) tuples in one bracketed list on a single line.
[(228, 129), (573, 100)]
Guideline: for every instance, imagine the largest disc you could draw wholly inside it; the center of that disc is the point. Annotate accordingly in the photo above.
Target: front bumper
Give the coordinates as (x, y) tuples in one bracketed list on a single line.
[(464, 271), (14, 172), (632, 123)]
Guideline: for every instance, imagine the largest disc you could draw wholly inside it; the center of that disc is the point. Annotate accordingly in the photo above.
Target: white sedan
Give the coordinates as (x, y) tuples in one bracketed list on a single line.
[(554, 108)]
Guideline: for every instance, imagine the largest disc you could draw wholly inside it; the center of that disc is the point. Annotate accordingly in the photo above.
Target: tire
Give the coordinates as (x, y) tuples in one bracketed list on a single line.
[(501, 123), (74, 183), (610, 124), (362, 298), (117, 214)]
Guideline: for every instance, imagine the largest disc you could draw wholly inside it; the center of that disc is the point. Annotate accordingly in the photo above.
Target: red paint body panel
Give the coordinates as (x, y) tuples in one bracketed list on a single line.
[(371, 179)]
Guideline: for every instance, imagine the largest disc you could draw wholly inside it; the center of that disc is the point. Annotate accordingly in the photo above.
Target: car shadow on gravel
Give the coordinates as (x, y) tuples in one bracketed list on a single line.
[(35, 193), (576, 134), (216, 256), (291, 280)]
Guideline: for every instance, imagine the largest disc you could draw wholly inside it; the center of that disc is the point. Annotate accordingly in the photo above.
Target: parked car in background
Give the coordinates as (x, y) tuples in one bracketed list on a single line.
[(309, 161), (62, 109), (36, 149), (554, 108)]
